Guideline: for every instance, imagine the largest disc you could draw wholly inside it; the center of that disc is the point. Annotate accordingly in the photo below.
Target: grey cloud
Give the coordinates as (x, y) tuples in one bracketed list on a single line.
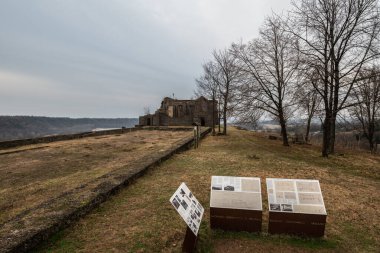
[(112, 58)]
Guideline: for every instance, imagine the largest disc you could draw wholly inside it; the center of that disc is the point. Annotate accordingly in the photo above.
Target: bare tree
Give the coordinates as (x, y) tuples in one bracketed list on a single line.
[(308, 98), (226, 76), (208, 87), (366, 96), (270, 65), (246, 111), (146, 110), (338, 37)]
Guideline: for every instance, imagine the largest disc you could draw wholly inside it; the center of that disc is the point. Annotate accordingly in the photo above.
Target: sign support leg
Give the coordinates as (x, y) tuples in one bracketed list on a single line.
[(189, 242)]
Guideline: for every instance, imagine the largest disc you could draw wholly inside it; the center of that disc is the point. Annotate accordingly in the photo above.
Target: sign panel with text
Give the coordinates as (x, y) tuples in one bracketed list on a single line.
[(188, 207)]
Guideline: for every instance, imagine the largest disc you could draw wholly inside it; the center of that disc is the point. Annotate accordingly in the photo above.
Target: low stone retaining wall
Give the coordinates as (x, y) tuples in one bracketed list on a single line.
[(15, 238), (65, 137)]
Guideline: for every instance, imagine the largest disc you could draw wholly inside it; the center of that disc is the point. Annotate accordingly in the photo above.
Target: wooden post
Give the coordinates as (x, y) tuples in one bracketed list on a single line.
[(195, 137), (189, 242), (198, 135)]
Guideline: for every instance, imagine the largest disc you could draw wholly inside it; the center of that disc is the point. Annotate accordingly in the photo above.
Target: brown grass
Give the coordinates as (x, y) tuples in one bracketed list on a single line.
[(141, 219), (32, 175)]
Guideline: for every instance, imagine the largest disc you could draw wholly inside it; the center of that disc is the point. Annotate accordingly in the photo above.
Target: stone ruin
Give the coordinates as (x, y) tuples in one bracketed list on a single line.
[(175, 112)]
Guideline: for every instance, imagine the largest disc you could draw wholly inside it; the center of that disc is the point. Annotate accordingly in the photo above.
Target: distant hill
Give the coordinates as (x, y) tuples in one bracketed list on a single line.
[(22, 127)]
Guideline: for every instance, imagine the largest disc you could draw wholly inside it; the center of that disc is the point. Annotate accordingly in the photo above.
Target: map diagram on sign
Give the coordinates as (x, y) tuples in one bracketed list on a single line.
[(188, 207), (236, 192), (295, 196)]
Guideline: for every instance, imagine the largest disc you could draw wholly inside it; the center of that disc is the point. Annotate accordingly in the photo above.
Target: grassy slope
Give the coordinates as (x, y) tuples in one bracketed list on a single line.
[(141, 219)]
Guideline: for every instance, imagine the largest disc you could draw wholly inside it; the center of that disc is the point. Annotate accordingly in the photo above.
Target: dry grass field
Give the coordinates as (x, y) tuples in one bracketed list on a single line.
[(39, 181), (141, 219)]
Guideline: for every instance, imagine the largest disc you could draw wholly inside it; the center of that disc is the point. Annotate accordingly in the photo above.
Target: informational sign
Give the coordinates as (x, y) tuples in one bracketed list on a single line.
[(188, 207), (236, 192), (295, 196)]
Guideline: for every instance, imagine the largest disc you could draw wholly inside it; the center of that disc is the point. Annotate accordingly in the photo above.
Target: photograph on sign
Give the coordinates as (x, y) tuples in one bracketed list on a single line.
[(188, 207), (236, 192), (237, 184), (295, 196)]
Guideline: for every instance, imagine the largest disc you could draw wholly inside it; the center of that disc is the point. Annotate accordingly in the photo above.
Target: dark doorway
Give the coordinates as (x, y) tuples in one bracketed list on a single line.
[(203, 123), (148, 121)]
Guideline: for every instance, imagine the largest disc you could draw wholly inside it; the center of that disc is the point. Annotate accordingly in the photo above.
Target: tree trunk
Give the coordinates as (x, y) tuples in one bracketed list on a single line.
[(219, 118), (284, 134), (326, 135), (326, 123), (332, 134), (336, 86), (225, 104), (308, 128), (371, 146), (371, 133), (225, 119), (213, 114)]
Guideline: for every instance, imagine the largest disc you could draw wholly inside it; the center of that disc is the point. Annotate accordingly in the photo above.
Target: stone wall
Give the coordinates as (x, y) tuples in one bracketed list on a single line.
[(65, 137)]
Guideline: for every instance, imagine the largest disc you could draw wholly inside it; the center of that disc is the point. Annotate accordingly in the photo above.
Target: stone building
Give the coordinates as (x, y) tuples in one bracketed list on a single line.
[(175, 112)]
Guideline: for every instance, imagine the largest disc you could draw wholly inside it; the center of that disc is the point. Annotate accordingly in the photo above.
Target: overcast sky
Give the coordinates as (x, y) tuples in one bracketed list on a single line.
[(112, 58)]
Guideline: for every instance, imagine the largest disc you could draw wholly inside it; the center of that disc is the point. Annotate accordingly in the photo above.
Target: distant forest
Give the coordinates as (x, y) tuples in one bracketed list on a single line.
[(22, 127)]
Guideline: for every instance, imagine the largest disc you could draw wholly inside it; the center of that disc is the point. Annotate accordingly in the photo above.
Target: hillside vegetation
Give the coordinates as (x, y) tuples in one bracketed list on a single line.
[(141, 219), (22, 127)]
